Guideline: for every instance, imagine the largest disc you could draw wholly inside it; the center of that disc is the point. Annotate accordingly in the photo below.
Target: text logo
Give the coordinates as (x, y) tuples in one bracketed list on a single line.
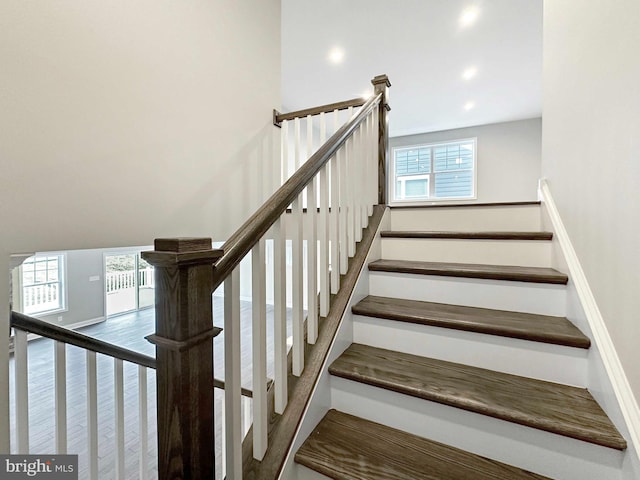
[(58, 467)]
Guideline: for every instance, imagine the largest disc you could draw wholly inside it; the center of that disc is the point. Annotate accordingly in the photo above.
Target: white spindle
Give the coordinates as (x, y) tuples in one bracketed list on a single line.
[(246, 415), (22, 391), (280, 315), (350, 174), (259, 350), (323, 227), (297, 268), (312, 248), (232, 377), (335, 217), (119, 415), (361, 179), (92, 413), (60, 365), (374, 156), (143, 423), (343, 192)]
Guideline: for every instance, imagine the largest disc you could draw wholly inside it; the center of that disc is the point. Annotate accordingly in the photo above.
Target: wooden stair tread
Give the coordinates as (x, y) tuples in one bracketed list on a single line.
[(556, 408), (494, 235), (472, 270), (343, 446), (526, 326)]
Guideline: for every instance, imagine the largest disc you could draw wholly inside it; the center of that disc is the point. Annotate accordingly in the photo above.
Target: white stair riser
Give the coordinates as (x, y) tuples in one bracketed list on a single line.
[(506, 218), (300, 472), (524, 253), (545, 453), (540, 298), (508, 355)]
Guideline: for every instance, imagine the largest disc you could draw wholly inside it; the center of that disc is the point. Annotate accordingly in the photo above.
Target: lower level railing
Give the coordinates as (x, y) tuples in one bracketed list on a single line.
[(80, 395)]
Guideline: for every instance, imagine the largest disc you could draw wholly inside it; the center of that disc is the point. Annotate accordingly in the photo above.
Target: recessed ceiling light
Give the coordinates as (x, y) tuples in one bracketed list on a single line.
[(469, 105), (469, 16), (469, 73), (336, 55)]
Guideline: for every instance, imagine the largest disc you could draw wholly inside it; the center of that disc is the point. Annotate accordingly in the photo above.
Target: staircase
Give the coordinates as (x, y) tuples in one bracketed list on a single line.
[(463, 365)]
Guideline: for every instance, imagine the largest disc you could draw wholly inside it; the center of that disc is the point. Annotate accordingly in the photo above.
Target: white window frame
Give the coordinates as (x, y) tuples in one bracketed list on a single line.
[(430, 200), (62, 281)]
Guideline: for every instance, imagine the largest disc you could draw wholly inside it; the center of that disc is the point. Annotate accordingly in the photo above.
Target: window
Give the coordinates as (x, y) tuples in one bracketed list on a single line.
[(438, 171), (43, 284)]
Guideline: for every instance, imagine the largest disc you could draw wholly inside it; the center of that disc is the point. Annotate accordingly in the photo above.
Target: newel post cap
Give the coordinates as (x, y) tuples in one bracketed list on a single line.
[(182, 251)]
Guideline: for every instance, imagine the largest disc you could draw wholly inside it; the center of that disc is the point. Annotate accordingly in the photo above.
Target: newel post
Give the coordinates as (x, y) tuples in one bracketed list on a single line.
[(184, 356), (381, 84)]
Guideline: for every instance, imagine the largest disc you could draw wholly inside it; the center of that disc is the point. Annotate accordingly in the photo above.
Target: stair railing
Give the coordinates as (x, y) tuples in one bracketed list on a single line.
[(341, 181), (95, 352)]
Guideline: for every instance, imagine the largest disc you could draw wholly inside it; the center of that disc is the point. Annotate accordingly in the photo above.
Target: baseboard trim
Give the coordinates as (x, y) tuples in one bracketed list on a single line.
[(622, 389)]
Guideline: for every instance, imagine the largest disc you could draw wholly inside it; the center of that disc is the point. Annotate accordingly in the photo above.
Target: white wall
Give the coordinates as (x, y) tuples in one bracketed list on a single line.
[(591, 145), (508, 158), (123, 121)]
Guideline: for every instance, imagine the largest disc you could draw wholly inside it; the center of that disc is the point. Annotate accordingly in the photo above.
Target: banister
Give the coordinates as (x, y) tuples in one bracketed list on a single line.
[(330, 107), (241, 242), (29, 324), (20, 321)]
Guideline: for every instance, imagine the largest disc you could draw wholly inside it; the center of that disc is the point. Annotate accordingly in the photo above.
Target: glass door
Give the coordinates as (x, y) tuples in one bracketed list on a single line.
[(146, 287), (121, 283)]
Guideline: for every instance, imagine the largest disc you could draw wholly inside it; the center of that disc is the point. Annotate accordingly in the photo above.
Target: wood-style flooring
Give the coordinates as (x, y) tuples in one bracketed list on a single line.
[(128, 331), (344, 446)]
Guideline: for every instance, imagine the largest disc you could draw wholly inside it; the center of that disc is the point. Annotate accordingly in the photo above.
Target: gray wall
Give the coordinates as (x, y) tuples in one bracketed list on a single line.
[(591, 153), (85, 299), (508, 158)]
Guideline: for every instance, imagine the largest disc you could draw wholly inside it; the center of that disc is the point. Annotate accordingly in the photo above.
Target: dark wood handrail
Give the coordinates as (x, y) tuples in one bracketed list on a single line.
[(248, 235), (23, 322), (330, 107)]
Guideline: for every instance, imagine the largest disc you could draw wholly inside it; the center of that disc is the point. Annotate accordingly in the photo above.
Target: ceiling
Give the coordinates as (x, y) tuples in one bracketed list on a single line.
[(425, 48)]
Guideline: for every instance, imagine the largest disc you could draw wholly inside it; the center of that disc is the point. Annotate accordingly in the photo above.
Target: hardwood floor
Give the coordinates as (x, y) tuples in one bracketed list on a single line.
[(128, 331)]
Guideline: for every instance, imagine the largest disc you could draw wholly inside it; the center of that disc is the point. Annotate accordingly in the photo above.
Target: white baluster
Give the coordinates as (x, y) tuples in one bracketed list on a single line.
[(297, 268), (119, 415), (343, 192), (143, 423), (374, 159), (355, 176), (323, 227), (60, 365), (362, 178), (280, 314), (335, 217), (92, 413), (232, 378), (350, 180), (259, 350), (246, 415), (312, 248), (22, 391)]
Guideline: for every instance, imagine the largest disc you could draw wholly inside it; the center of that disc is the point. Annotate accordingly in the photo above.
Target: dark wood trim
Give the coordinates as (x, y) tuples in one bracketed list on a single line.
[(463, 205), (470, 235), (243, 240), (29, 324), (381, 86), (184, 357), (472, 270), (282, 428), (330, 107), (23, 322)]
